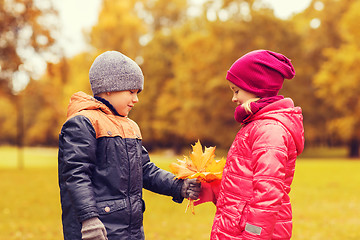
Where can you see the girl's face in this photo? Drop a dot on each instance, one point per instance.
(123, 101)
(240, 96)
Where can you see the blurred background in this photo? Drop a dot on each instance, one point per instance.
(184, 49)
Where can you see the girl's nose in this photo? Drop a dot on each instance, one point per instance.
(234, 99)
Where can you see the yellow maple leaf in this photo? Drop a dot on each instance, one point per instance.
(201, 165)
(201, 159)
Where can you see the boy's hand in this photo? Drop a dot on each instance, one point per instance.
(93, 229)
(191, 189)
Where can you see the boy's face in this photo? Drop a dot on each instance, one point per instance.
(123, 101)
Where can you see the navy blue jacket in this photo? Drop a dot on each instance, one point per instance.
(103, 168)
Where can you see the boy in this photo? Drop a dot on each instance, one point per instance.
(102, 164)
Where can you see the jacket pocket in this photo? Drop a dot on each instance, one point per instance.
(243, 211)
(110, 206)
(232, 220)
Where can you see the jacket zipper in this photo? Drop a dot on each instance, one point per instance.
(128, 189)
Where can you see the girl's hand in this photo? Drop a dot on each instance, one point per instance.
(209, 192)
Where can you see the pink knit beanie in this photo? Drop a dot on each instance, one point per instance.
(261, 72)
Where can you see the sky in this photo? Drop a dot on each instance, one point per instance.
(76, 16)
(79, 15)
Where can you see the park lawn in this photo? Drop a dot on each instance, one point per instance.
(325, 197)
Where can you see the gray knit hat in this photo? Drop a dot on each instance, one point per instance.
(113, 71)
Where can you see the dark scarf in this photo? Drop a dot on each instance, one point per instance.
(108, 104)
(242, 116)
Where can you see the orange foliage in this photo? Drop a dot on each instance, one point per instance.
(201, 165)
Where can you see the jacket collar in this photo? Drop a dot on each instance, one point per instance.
(81, 101)
(288, 115)
(109, 105)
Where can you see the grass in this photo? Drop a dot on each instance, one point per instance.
(325, 201)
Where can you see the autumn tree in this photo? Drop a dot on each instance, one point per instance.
(7, 121)
(185, 63)
(119, 28)
(47, 98)
(158, 49)
(27, 37)
(338, 82)
(196, 101)
(184, 58)
(318, 28)
(185, 49)
(27, 31)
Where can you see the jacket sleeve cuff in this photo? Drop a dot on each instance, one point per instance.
(177, 191)
(88, 213)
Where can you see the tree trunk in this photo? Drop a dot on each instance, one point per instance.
(354, 148)
(20, 130)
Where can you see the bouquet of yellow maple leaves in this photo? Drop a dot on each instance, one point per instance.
(201, 165)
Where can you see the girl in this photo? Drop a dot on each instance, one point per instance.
(253, 202)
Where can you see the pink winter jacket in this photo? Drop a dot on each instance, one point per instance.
(253, 201)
